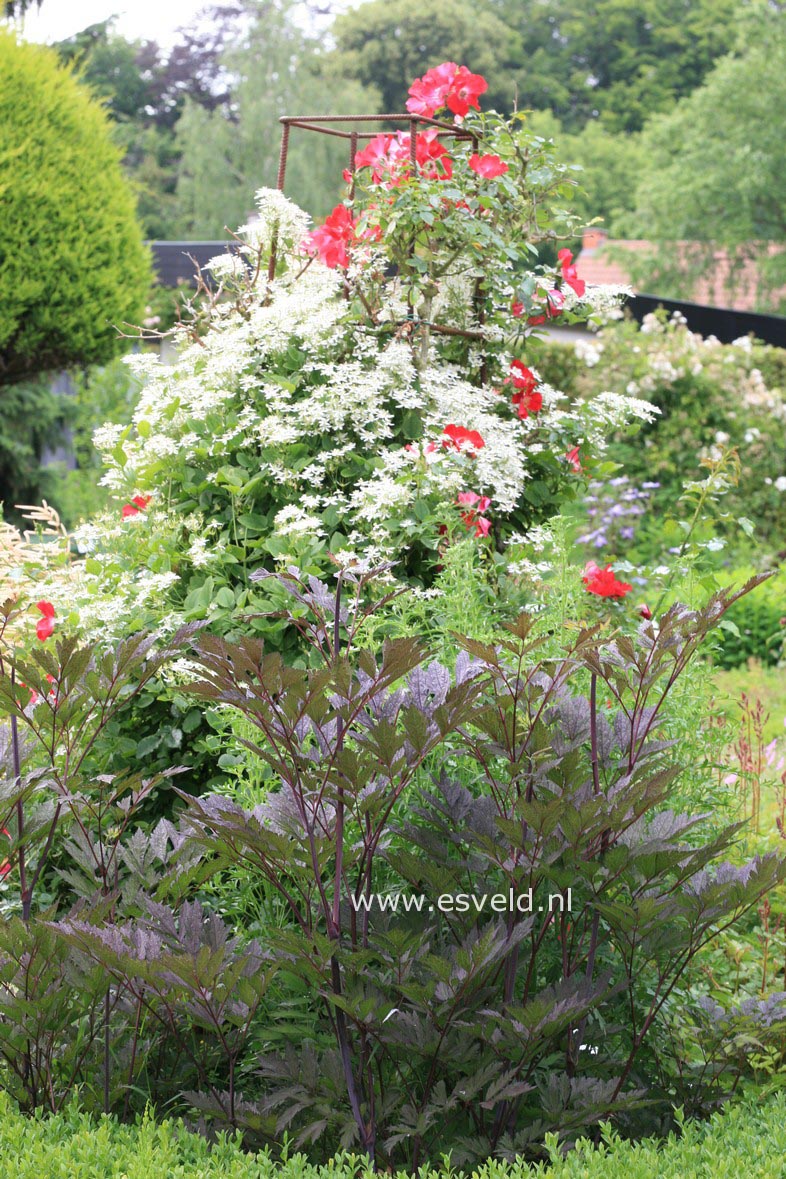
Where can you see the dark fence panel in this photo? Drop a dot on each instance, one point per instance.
(723, 323)
(176, 262)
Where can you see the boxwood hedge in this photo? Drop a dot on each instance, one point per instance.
(748, 1141)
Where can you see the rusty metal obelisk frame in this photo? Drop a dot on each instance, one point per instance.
(321, 124)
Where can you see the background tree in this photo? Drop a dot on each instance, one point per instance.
(619, 60)
(72, 262)
(17, 8)
(144, 88)
(724, 189)
(274, 67)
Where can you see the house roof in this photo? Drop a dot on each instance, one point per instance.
(721, 280)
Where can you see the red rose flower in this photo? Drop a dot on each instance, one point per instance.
(375, 155)
(523, 378)
(432, 156)
(329, 241)
(45, 625)
(570, 274)
(462, 438)
(138, 504)
(555, 301)
(428, 94)
(527, 403)
(487, 166)
(446, 85)
(475, 504)
(645, 612)
(465, 89)
(573, 458)
(526, 397)
(603, 582)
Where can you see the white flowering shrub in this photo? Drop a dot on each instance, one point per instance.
(371, 393)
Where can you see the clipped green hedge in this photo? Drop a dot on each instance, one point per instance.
(747, 1142)
(72, 261)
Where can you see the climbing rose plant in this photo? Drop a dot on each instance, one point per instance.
(364, 389)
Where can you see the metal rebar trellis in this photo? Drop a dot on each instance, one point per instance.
(321, 125)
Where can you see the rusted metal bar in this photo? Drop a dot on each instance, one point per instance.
(282, 171)
(316, 123)
(282, 158)
(319, 130)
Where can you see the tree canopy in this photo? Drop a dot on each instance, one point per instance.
(715, 166)
(619, 60)
(228, 153)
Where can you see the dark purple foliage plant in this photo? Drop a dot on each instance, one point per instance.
(480, 888)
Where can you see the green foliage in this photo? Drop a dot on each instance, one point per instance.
(757, 683)
(144, 88)
(758, 624)
(746, 1141)
(386, 774)
(608, 165)
(733, 194)
(101, 394)
(617, 61)
(425, 992)
(73, 1144)
(32, 417)
(72, 263)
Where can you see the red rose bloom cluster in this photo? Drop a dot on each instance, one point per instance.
(447, 85)
(603, 582)
(475, 504)
(329, 242)
(389, 157)
(526, 396)
(138, 504)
